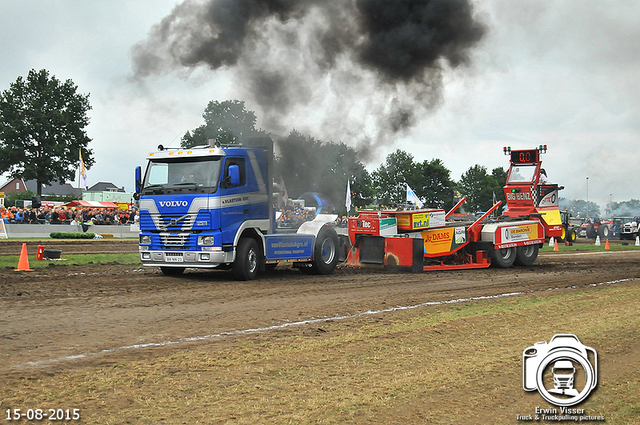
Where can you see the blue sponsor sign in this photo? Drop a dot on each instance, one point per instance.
(289, 247)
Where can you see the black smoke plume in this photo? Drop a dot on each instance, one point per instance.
(372, 66)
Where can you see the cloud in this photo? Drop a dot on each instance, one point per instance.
(288, 56)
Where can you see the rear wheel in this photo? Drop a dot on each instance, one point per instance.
(245, 267)
(591, 232)
(571, 235)
(503, 258)
(603, 231)
(563, 236)
(325, 251)
(172, 271)
(526, 255)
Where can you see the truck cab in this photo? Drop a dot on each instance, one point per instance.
(211, 206)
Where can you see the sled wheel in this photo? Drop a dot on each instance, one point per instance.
(526, 255)
(247, 259)
(503, 258)
(325, 251)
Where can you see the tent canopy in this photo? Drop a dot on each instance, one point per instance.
(91, 204)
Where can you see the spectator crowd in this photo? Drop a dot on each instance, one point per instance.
(64, 215)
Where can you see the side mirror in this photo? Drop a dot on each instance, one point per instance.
(234, 174)
(138, 179)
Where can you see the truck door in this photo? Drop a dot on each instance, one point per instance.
(234, 200)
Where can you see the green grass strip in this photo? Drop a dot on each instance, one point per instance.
(11, 261)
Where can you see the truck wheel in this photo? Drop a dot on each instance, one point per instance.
(591, 233)
(247, 260)
(325, 251)
(571, 235)
(503, 258)
(603, 231)
(526, 255)
(172, 271)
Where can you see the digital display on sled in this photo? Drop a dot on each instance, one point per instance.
(524, 157)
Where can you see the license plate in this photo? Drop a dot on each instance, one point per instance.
(174, 259)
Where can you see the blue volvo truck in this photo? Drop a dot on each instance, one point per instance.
(214, 206)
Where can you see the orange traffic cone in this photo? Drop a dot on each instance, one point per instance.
(23, 263)
(606, 245)
(555, 246)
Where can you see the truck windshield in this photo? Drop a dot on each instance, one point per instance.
(522, 174)
(182, 175)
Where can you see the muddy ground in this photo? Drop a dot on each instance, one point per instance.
(53, 314)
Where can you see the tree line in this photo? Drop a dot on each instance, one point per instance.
(307, 164)
(42, 133)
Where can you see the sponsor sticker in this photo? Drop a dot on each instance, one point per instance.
(525, 232)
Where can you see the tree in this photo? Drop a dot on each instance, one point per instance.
(310, 165)
(391, 178)
(436, 188)
(479, 186)
(500, 176)
(578, 208)
(430, 180)
(630, 208)
(42, 129)
(11, 198)
(228, 123)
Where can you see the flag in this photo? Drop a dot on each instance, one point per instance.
(412, 198)
(347, 202)
(495, 200)
(83, 171)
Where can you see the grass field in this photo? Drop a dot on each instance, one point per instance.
(11, 261)
(591, 247)
(449, 364)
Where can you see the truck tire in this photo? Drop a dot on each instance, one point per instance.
(526, 255)
(172, 271)
(325, 251)
(571, 235)
(503, 258)
(603, 231)
(247, 262)
(591, 232)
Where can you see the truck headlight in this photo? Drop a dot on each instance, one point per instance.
(205, 240)
(145, 240)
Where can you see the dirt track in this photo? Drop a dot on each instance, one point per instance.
(66, 310)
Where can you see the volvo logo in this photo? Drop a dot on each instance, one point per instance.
(173, 203)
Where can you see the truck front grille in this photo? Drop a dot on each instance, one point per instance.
(176, 241)
(174, 221)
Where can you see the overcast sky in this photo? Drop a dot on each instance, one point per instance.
(561, 73)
